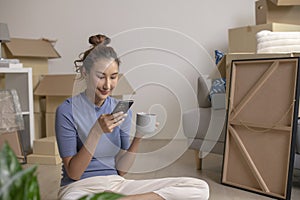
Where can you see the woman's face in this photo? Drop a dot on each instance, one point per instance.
(101, 80)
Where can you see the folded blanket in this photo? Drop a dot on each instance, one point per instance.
(278, 42)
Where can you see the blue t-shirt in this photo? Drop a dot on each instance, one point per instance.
(74, 120)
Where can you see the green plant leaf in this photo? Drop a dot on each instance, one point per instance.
(102, 196)
(9, 164)
(32, 190)
(16, 183)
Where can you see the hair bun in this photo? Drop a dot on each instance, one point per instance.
(99, 39)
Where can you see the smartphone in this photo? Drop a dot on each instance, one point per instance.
(123, 105)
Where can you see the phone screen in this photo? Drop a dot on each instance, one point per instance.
(123, 106)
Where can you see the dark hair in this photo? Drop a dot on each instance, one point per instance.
(98, 51)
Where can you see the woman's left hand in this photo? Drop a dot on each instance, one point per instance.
(141, 135)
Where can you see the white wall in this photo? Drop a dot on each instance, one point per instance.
(164, 44)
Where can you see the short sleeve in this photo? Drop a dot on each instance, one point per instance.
(65, 131)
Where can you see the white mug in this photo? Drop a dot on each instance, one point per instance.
(145, 123)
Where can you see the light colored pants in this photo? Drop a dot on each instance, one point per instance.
(168, 188)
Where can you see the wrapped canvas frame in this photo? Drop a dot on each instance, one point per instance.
(261, 126)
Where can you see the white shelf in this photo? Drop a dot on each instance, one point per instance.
(26, 113)
(21, 81)
(14, 70)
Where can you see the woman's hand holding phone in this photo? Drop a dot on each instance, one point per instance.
(109, 121)
(123, 105)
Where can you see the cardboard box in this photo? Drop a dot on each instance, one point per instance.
(50, 92)
(243, 39)
(32, 53)
(52, 102)
(70, 84)
(43, 159)
(45, 146)
(39, 125)
(267, 12)
(50, 124)
(56, 85)
(39, 104)
(2, 81)
(12, 138)
(286, 2)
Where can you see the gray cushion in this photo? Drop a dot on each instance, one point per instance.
(195, 122)
(217, 147)
(203, 93)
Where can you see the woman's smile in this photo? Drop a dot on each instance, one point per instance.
(104, 92)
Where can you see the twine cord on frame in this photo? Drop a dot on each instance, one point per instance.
(244, 123)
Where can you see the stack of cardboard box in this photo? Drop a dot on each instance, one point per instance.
(33, 53)
(45, 152)
(53, 90)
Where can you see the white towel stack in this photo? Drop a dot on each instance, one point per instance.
(278, 42)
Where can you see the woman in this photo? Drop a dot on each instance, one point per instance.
(94, 145)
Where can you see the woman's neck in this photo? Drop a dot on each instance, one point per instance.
(94, 99)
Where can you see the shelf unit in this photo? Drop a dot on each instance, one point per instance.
(21, 81)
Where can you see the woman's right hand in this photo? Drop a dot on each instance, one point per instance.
(108, 122)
